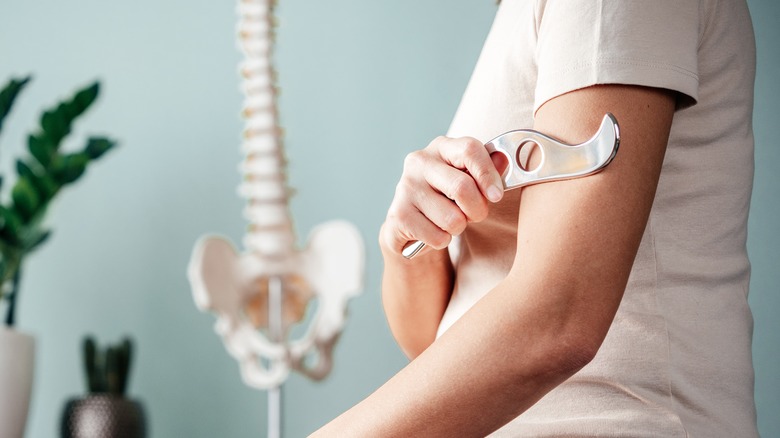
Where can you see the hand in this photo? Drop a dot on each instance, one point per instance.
(443, 188)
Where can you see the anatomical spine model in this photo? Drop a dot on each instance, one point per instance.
(241, 288)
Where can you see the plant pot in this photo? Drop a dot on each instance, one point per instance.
(17, 357)
(103, 416)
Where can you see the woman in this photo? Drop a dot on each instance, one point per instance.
(612, 305)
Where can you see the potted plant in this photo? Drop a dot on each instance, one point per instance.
(105, 412)
(40, 177)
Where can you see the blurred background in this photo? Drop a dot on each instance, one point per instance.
(363, 83)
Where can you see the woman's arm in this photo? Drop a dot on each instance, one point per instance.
(443, 187)
(576, 245)
(415, 294)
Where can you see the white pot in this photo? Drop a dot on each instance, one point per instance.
(17, 356)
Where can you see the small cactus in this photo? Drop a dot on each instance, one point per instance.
(107, 371)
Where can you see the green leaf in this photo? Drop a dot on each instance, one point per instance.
(10, 226)
(25, 198)
(36, 240)
(24, 170)
(48, 187)
(91, 366)
(125, 351)
(97, 146)
(55, 125)
(70, 167)
(56, 122)
(44, 185)
(41, 149)
(70, 109)
(84, 98)
(112, 370)
(8, 96)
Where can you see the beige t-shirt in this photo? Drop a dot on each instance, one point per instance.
(677, 359)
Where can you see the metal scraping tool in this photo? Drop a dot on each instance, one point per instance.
(559, 160)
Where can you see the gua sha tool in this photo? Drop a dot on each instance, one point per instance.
(258, 294)
(560, 161)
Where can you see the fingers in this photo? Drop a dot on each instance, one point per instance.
(420, 210)
(410, 225)
(457, 186)
(442, 212)
(469, 154)
(433, 185)
(443, 188)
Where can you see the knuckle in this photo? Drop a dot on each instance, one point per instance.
(400, 209)
(399, 214)
(483, 176)
(394, 214)
(412, 159)
(455, 223)
(472, 147)
(437, 141)
(401, 194)
(460, 188)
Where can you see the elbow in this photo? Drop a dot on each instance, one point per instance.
(562, 332)
(573, 354)
(564, 354)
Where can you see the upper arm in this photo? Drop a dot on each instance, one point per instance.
(577, 239)
(576, 243)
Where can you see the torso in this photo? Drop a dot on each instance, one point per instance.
(677, 359)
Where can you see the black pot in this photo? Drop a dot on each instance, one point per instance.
(103, 416)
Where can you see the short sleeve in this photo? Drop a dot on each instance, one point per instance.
(650, 43)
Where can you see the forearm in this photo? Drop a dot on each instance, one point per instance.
(489, 367)
(442, 189)
(415, 295)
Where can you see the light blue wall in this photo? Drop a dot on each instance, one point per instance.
(764, 226)
(363, 83)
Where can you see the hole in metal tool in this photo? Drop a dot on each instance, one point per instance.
(529, 156)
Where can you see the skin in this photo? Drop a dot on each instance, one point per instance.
(576, 245)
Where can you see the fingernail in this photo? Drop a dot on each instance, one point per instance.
(494, 193)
